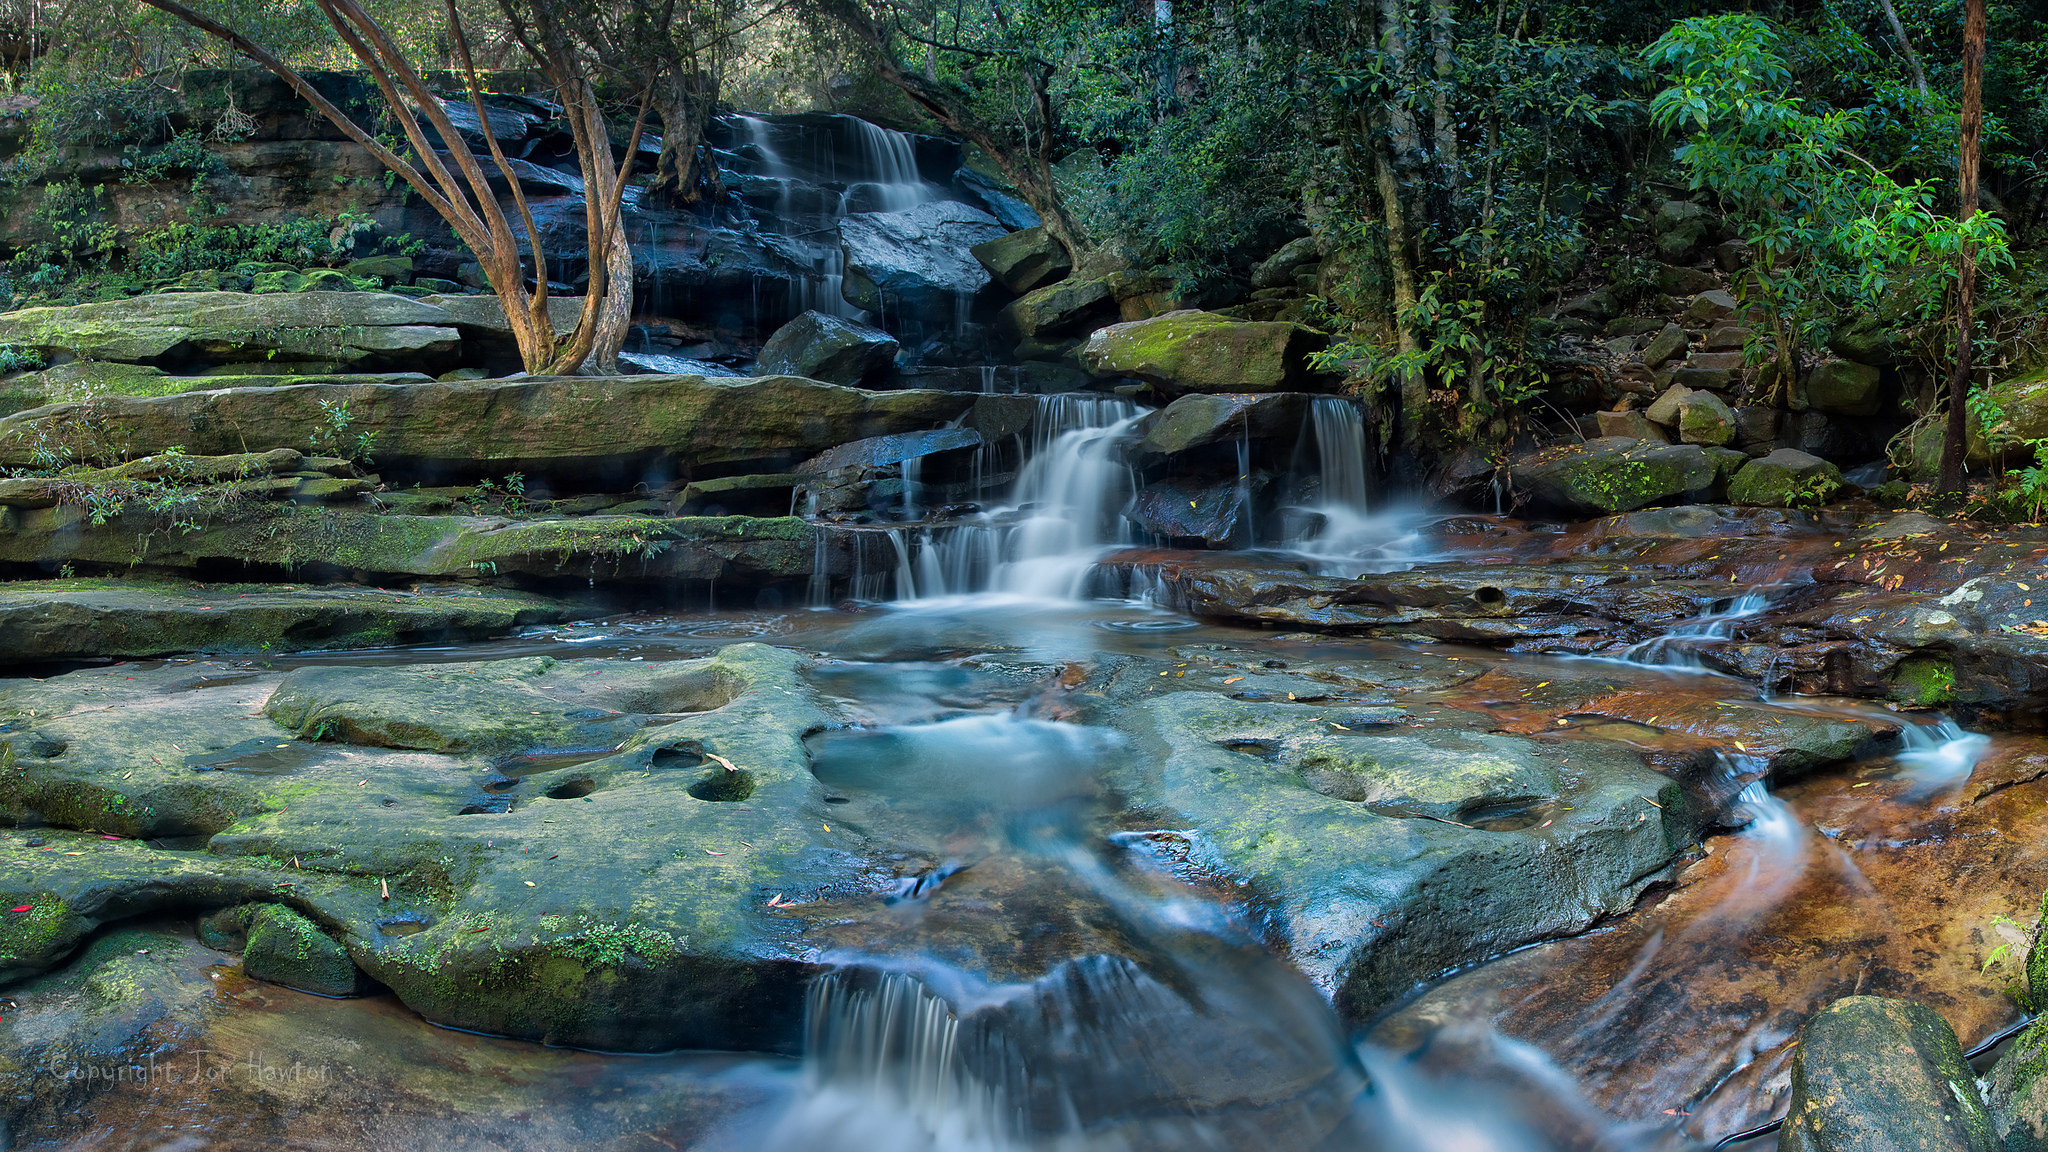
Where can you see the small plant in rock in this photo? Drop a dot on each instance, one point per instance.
(336, 434)
(1813, 492)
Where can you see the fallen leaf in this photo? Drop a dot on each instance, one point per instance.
(530, 884)
(1233, 679)
(709, 852)
(729, 765)
(26, 908)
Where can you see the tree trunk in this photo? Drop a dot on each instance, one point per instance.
(1891, 16)
(684, 98)
(1955, 442)
(1401, 261)
(1443, 127)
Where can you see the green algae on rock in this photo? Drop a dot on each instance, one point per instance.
(1876, 1073)
(1192, 351)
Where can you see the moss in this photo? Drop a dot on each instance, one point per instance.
(1925, 681)
(33, 937)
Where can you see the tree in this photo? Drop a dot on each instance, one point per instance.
(1955, 439)
(462, 196)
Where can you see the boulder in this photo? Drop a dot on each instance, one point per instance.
(1873, 1073)
(1198, 420)
(1844, 388)
(1669, 344)
(916, 261)
(582, 424)
(1864, 339)
(1609, 475)
(1631, 425)
(1664, 410)
(1024, 260)
(1680, 227)
(1070, 307)
(1203, 352)
(1756, 429)
(1704, 418)
(1280, 269)
(1710, 306)
(880, 451)
(821, 347)
(391, 269)
(368, 329)
(285, 948)
(1191, 512)
(1683, 280)
(1784, 478)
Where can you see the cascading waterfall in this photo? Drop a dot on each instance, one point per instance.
(1679, 648)
(1340, 449)
(1940, 754)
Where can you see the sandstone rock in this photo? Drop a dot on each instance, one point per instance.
(1070, 307)
(581, 423)
(1199, 420)
(1876, 1073)
(1631, 425)
(1598, 306)
(1756, 429)
(1704, 418)
(917, 261)
(1204, 352)
(1280, 269)
(1680, 227)
(1632, 326)
(1190, 512)
(817, 346)
(1731, 255)
(1727, 338)
(1710, 306)
(357, 328)
(1844, 388)
(1024, 260)
(1864, 339)
(1669, 345)
(285, 280)
(391, 269)
(1665, 409)
(880, 451)
(1783, 478)
(1605, 476)
(329, 280)
(284, 947)
(1681, 280)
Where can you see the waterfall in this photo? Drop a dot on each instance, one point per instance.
(1067, 507)
(1939, 754)
(1679, 647)
(1340, 448)
(889, 171)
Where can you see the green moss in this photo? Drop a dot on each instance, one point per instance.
(29, 937)
(1926, 681)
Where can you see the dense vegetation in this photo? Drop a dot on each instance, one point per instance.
(1463, 166)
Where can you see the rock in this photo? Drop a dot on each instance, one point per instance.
(1199, 420)
(1727, 338)
(1068, 308)
(1864, 339)
(1631, 425)
(767, 495)
(1602, 477)
(2018, 1096)
(1731, 255)
(390, 269)
(1756, 429)
(1844, 388)
(1785, 478)
(48, 620)
(821, 347)
(1680, 280)
(1597, 306)
(592, 426)
(917, 261)
(880, 451)
(1024, 260)
(999, 199)
(368, 329)
(1203, 352)
(1664, 410)
(1191, 513)
(1632, 326)
(1680, 228)
(284, 947)
(1710, 306)
(487, 337)
(1280, 269)
(329, 280)
(278, 281)
(1874, 1073)
(1669, 345)
(1672, 214)
(1704, 418)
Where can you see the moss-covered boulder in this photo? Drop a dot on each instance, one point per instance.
(1024, 260)
(1845, 388)
(1198, 421)
(821, 347)
(1070, 307)
(285, 948)
(370, 329)
(1876, 1073)
(1202, 352)
(1609, 475)
(581, 424)
(1705, 419)
(1786, 478)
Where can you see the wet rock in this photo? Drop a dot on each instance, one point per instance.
(1630, 425)
(1199, 420)
(1203, 352)
(1024, 260)
(1670, 344)
(176, 468)
(1280, 269)
(591, 425)
(487, 336)
(369, 329)
(1844, 388)
(610, 906)
(2017, 1096)
(1071, 307)
(1190, 511)
(1783, 479)
(284, 947)
(1609, 475)
(75, 619)
(884, 450)
(821, 347)
(915, 262)
(1876, 1073)
(753, 495)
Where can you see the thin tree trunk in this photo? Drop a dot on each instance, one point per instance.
(1443, 126)
(1401, 261)
(683, 98)
(1891, 16)
(1955, 443)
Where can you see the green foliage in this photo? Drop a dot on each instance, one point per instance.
(336, 434)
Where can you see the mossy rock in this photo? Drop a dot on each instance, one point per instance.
(1203, 352)
(1787, 478)
(1613, 474)
(1926, 681)
(1876, 1073)
(285, 948)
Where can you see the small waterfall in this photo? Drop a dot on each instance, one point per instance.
(889, 161)
(988, 379)
(1679, 648)
(1340, 449)
(1940, 754)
